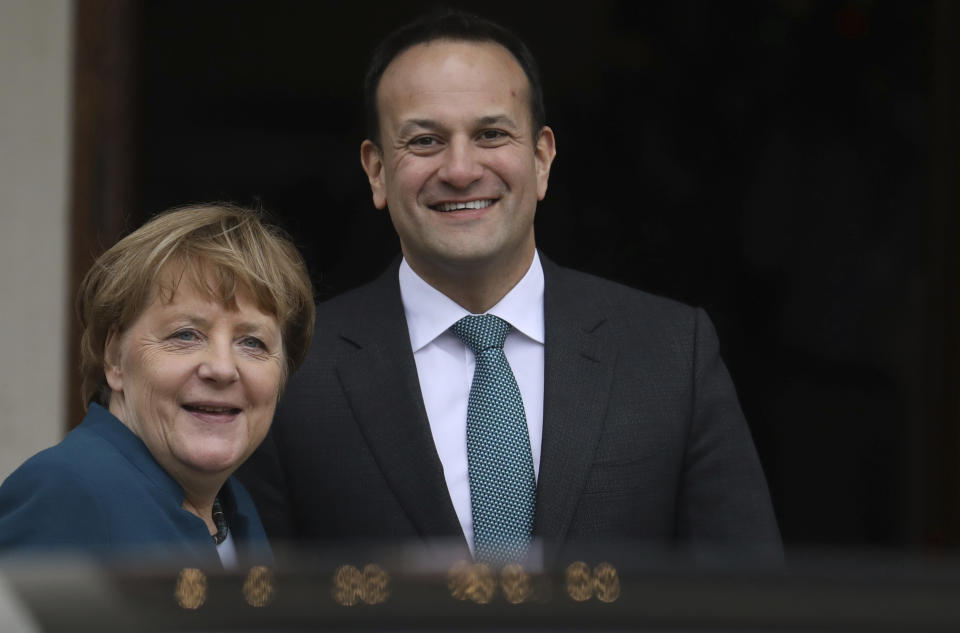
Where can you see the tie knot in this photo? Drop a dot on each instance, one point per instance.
(481, 332)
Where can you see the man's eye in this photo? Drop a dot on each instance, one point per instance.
(492, 135)
(424, 141)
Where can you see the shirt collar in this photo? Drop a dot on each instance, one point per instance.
(430, 313)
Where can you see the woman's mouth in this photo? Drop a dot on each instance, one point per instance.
(212, 413)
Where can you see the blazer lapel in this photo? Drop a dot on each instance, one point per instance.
(578, 370)
(380, 382)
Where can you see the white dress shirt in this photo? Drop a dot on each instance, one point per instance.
(445, 369)
(227, 551)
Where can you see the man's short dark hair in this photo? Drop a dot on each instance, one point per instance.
(448, 25)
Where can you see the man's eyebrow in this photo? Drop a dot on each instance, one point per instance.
(417, 124)
(499, 119)
(411, 125)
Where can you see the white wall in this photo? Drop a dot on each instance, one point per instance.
(35, 63)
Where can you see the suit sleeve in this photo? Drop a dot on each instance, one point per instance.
(45, 506)
(724, 496)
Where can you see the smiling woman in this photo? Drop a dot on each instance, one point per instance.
(191, 325)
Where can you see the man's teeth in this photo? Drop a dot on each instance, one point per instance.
(457, 206)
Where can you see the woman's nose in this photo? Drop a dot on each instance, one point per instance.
(219, 364)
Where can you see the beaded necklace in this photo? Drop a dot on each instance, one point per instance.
(220, 521)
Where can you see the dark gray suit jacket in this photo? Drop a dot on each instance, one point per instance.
(643, 438)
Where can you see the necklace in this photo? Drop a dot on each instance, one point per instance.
(220, 521)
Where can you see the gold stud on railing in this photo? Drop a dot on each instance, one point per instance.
(516, 584)
(603, 582)
(579, 581)
(607, 582)
(259, 587)
(376, 584)
(191, 588)
(471, 581)
(350, 585)
(347, 585)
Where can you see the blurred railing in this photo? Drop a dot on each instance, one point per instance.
(419, 588)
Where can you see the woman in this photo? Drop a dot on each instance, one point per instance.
(191, 324)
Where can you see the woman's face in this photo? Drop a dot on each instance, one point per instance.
(196, 381)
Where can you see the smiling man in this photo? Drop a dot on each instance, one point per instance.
(478, 392)
(460, 164)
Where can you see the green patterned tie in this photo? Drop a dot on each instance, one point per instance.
(502, 484)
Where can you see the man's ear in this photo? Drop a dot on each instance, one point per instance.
(111, 361)
(372, 160)
(543, 153)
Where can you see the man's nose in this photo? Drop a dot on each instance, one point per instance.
(461, 165)
(219, 364)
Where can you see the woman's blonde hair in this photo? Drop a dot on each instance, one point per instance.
(222, 249)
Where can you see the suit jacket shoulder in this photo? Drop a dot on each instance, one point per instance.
(642, 426)
(589, 297)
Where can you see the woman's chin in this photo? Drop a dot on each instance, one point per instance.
(213, 461)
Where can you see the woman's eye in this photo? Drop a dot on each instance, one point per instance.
(252, 342)
(186, 336)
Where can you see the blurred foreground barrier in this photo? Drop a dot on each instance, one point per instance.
(618, 589)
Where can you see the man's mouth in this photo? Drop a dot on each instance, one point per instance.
(460, 206)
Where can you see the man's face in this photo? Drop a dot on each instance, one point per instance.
(460, 168)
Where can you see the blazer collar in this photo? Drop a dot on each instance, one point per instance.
(379, 378)
(106, 425)
(100, 421)
(579, 358)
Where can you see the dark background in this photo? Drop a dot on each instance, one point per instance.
(780, 163)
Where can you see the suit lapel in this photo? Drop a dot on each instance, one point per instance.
(380, 382)
(578, 370)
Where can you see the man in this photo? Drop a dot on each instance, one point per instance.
(627, 421)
